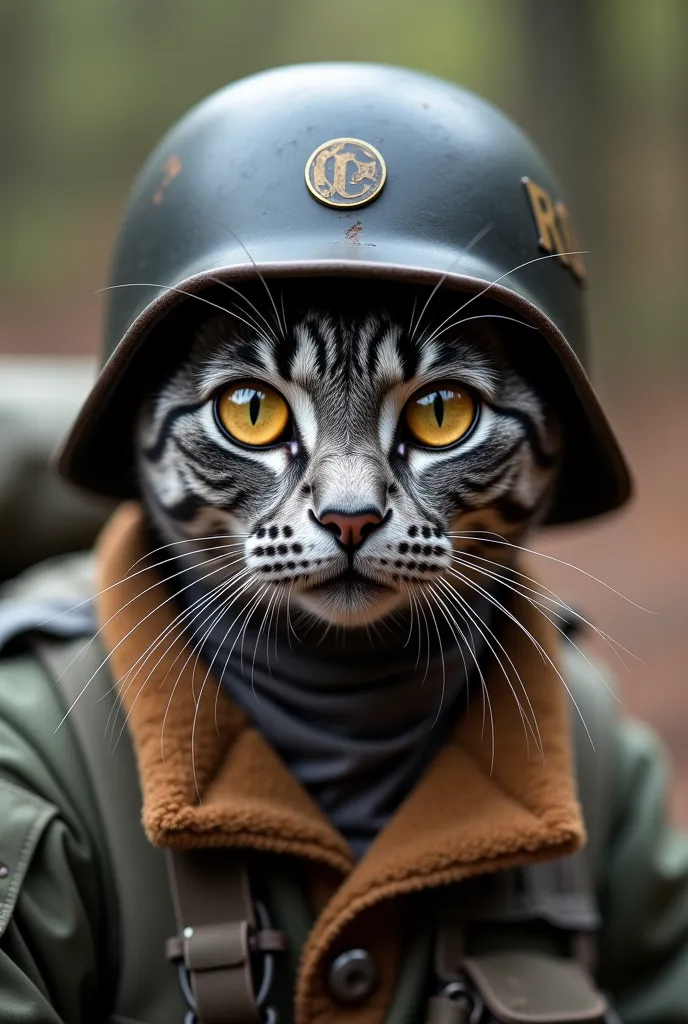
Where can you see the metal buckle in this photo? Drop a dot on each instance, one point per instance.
(462, 989)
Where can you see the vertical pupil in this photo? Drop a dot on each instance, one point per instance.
(438, 406)
(254, 407)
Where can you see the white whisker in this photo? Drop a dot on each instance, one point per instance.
(473, 617)
(484, 688)
(538, 646)
(487, 537)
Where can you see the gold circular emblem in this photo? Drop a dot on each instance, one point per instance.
(345, 172)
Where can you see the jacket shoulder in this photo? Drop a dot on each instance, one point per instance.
(57, 917)
(38, 750)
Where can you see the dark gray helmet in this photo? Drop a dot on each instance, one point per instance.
(347, 171)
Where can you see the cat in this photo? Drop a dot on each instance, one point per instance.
(390, 454)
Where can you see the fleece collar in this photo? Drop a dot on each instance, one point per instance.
(209, 779)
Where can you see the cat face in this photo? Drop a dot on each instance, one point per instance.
(344, 456)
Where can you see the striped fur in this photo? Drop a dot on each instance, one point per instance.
(346, 381)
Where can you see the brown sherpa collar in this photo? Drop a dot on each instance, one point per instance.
(217, 783)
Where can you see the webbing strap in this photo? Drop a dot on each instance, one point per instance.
(557, 891)
(215, 920)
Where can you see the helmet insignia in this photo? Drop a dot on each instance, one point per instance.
(555, 232)
(345, 172)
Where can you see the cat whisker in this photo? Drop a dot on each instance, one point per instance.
(123, 685)
(409, 329)
(472, 616)
(482, 316)
(282, 326)
(199, 642)
(198, 705)
(547, 613)
(486, 702)
(243, 587)
(128, 576)
(427, 638)
(190, 540)
(122, 640)
(252, 604)
(538, 646)
(411, 608)
(459, 636)
(284, 315)
(488, 287)
(414, 600)
(256, 598)
(477, 237)
(479, 624)
(290, 628)
(177, 291)
(444, 670)
(547, 596)
(192, 613)
(488, 537)
(256, 310)
(265, 590)
(271, 600)
(240, 580)
(219, 688)
(181, 615)
(453, 626)
(274, 615)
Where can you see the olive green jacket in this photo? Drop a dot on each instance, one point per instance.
(60, 922)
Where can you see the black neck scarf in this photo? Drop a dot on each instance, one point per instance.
(357, 715)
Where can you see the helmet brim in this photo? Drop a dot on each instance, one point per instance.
(98, 457)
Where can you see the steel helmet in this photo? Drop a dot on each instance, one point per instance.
(346, 171)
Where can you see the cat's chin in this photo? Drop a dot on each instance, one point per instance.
(349, 600)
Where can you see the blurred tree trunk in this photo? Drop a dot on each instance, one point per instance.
(569, 113)
(565, 108)
(606, 95)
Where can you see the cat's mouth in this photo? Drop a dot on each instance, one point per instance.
(349, 578)
(349, 598)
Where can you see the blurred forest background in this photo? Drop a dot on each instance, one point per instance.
(602, 86)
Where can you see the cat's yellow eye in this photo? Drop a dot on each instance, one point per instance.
(253, 413)
(440, 414)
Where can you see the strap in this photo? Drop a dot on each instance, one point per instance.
(556, 891)
(217, 935)
(518, 987)
(531, 988)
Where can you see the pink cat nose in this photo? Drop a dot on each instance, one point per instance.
(350, 530)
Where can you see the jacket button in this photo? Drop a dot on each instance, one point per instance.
(352, 977)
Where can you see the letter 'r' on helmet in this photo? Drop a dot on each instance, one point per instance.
(283, 166)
